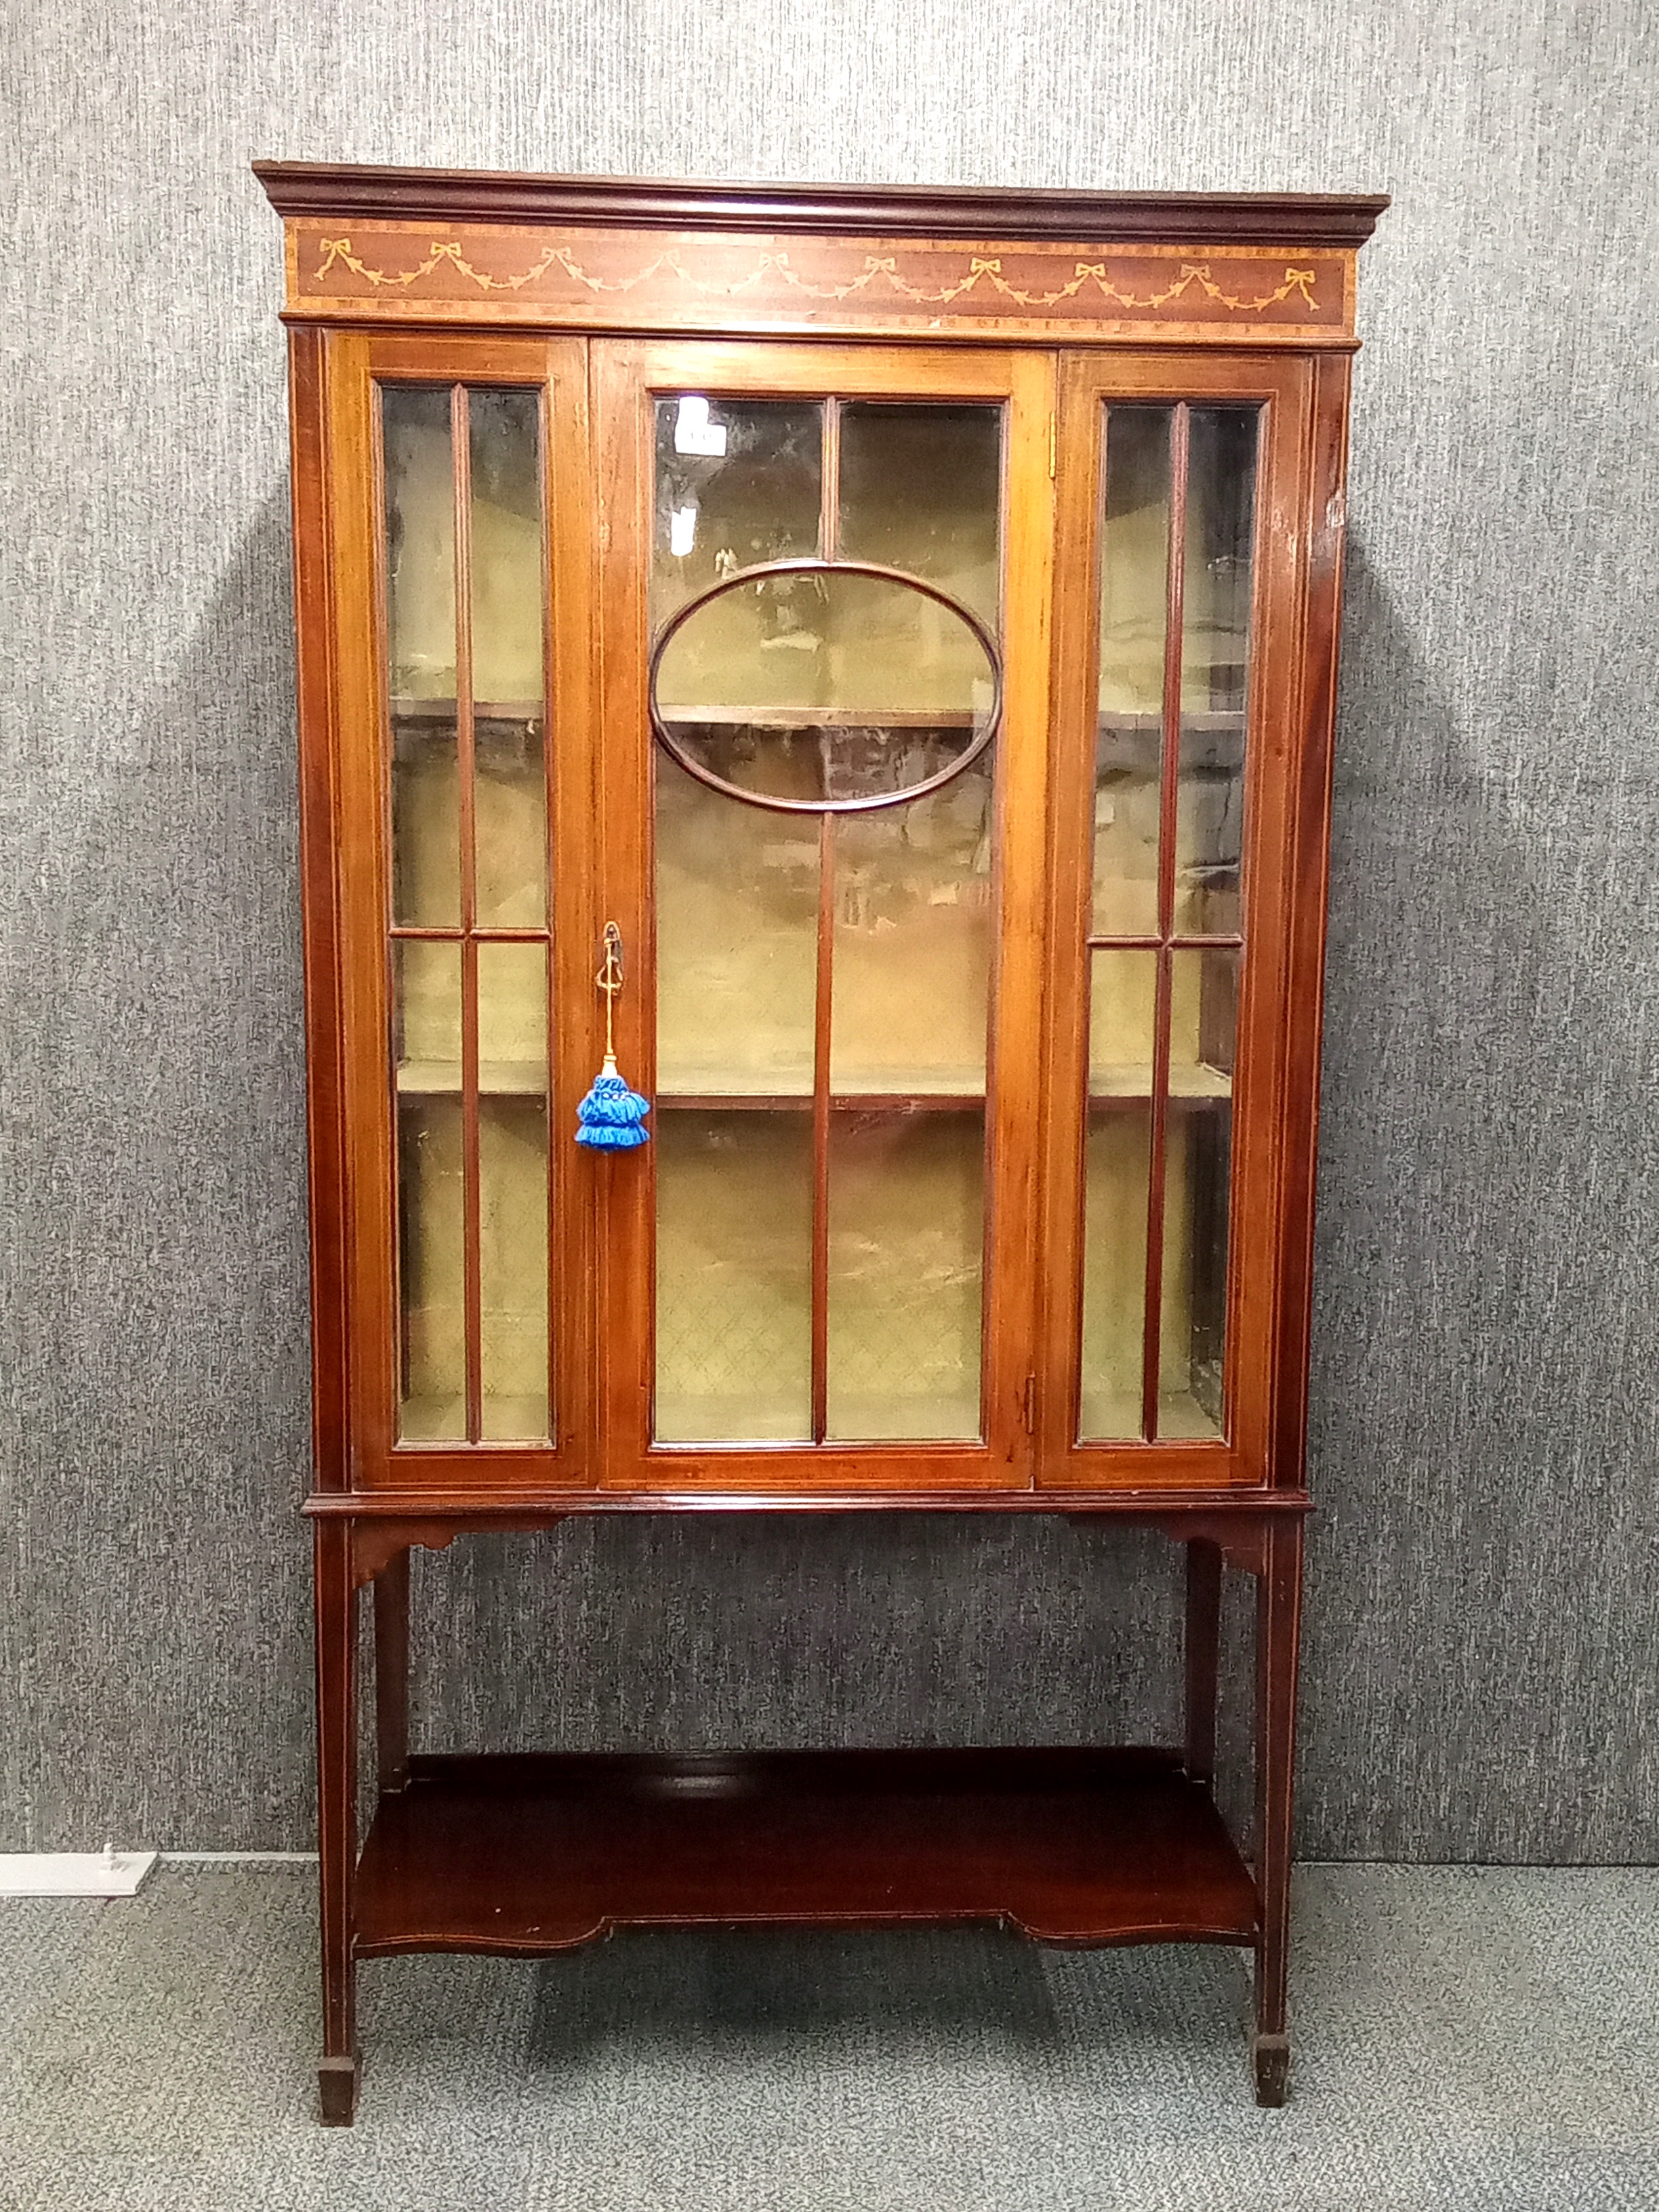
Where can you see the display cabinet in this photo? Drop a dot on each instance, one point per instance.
(867, 658)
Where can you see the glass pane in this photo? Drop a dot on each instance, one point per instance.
(921, 489)
(1215, 664)
(1197, 1182)
(420, 533)
(427, 1015)
(1117, 1170)
(912, 964)
(907, 1234)
(734, 1276)
(509, 805)
(1122, 1008)
(426, 819)
(508, 590)
(738, 483)
(1203, 1023)
(509, 599)
(419, 611)
(829, 685)
(1134, 563)
(431, 1208)
(431, 1270)
(512, 1264)
(512, 1018)
(737, 943)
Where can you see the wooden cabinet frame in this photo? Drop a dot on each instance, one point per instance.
(598, 294)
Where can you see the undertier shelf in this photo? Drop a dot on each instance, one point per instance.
(527, 1854)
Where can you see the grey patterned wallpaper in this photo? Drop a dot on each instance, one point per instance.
(1482, 1636)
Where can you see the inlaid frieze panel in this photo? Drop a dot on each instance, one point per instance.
(633, 279)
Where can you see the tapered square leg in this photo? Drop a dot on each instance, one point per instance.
(337, 1813)
(1277, 1634)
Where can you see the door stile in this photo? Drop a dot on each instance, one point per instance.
(623, 1181)
(1019, 980)
(626, 376)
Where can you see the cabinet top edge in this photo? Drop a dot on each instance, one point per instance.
(356, 191)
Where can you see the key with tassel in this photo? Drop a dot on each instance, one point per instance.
(611, 1118)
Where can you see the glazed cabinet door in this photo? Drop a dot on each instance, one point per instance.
(460, 506)
(1181, 585)
(824, 616)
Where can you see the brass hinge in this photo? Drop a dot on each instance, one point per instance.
(1028, 1408)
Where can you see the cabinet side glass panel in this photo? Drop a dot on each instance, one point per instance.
(465, 624)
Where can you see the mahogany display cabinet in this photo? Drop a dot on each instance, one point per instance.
(868, 658)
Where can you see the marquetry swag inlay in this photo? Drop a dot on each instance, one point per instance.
(520, 273)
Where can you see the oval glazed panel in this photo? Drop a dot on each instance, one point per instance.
(816, 686)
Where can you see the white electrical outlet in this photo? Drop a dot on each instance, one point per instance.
(108, 1873)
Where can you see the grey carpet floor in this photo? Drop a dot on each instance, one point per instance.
(1486, 2040)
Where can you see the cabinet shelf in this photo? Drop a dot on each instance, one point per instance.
(925, 1090)
(851, 1101)
(438, 1079)
(524, 1854)
(822, 718)
(940, 1089)
(1131, 1083)
(1195, 718)
(483, 710)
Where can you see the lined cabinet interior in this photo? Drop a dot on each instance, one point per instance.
(824, 605)
(1165, 918)
(805, 815)
(465, 606)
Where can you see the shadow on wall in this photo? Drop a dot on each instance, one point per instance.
(714, 1633)
(1485, 1328)
(1477, 1565)
(155, 1099)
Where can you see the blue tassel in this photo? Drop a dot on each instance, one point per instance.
(611, 1117)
